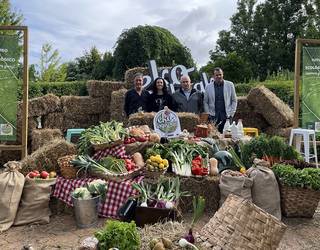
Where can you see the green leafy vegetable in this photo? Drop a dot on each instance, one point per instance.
(198, 209)
(121, 235)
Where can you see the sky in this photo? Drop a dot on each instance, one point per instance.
(75, 26)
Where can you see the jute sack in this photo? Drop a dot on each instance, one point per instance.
(265, 189)
(11, 186)
(34, 205)
(233, 182)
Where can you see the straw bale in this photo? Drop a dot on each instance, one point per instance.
(208, 187)
(44, 105)
(45, 158)
(84, 105)
(129, 75)
(243, 105)
(103, 88)
(141, 118)
(32, 124)
(9, 155)
(170, 230)
(274, 110)
(40, 137)
(284, 132)
(117, 104)
(252, 120)
(54, 120)
(188, 121)
(104, 117)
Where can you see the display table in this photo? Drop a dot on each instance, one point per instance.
(117, 193)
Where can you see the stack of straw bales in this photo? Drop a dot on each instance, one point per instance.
(40, 137)
(117, 104)
(130, 73)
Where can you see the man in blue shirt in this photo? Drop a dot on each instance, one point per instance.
(136, 98)
(220, 99)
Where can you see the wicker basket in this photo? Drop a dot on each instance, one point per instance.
(67, 170)
(239, 224)
(117, 177)
(153, 174)
(102, 146)
(298, 202)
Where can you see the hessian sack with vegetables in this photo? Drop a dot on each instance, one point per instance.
(265, 190)
(234, 182)
(11, 186)
(34, 204)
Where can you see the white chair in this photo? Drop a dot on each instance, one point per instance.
(305, 133)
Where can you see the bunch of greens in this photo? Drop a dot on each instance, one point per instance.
(305, 178)
(106, 132)
(92, 189)
(121, 235)
(107, 165)
(273, 148)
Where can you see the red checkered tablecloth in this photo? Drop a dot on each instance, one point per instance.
(116, 151)
(117, 193)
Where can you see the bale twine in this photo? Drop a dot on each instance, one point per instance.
(274, 110)
(103, 88)
(44, 105)
(84, 105)
(239, 224)
(117, 104)
(45, 158)
(40, 137)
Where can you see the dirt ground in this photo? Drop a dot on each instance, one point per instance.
(62, 233)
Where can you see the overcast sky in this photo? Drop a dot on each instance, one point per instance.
(73, 26)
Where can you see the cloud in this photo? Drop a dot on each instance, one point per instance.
(74, 26)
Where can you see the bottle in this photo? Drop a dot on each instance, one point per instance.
(234, 131)
(240, 129)
(226, 128)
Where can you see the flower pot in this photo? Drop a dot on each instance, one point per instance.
(86, 211)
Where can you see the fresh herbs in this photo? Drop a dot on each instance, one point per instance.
(121, 235)
(305, 178)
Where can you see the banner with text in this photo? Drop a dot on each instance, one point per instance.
(10, 53)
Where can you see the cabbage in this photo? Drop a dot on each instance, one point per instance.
(81, 193)
(97, 187)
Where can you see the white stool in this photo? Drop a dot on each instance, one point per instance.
(305, 133)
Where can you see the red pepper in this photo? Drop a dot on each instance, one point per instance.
(204, 171)
(196, 170)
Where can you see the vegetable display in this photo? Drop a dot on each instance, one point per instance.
(92, 189)
(156, 163)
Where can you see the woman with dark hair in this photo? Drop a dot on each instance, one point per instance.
(159, 97)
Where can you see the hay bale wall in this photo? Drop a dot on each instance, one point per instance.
(274, 110)
(40, 137)
(44, 105)
(284, 132)
(103, 88)
(129, 75)
(117, 104)
(82, 105)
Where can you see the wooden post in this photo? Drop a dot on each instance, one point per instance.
(297, 63)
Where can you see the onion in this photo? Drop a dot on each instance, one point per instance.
(169, 204)
(144, 204)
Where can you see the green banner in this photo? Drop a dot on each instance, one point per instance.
(10, 52)
(310, 95)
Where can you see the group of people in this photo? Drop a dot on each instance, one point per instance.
(219, 99)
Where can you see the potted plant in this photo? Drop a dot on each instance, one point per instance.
(299, 190)
(86, 200)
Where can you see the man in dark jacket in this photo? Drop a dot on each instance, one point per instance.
(187, 99)
(136, 98)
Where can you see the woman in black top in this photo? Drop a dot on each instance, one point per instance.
(159, 97)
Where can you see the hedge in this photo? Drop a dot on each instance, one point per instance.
(37, 89)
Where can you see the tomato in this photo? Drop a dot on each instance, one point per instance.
(31, 175)
(133, 140)
(44, 175)
(36, 171)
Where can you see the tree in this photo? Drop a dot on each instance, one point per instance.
(264, 34)
(7, 17)
(50, 69)
(137, 45)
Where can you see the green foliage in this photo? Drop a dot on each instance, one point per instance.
(263, 145)
(305, 178)
(8, 17)
(37, 89)
(121, 235)
(264, 33)
(137, 45)
(235, 68)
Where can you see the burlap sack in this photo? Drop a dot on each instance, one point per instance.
(34, 205)
(265, 189)
(11, 186)
(233, 182)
